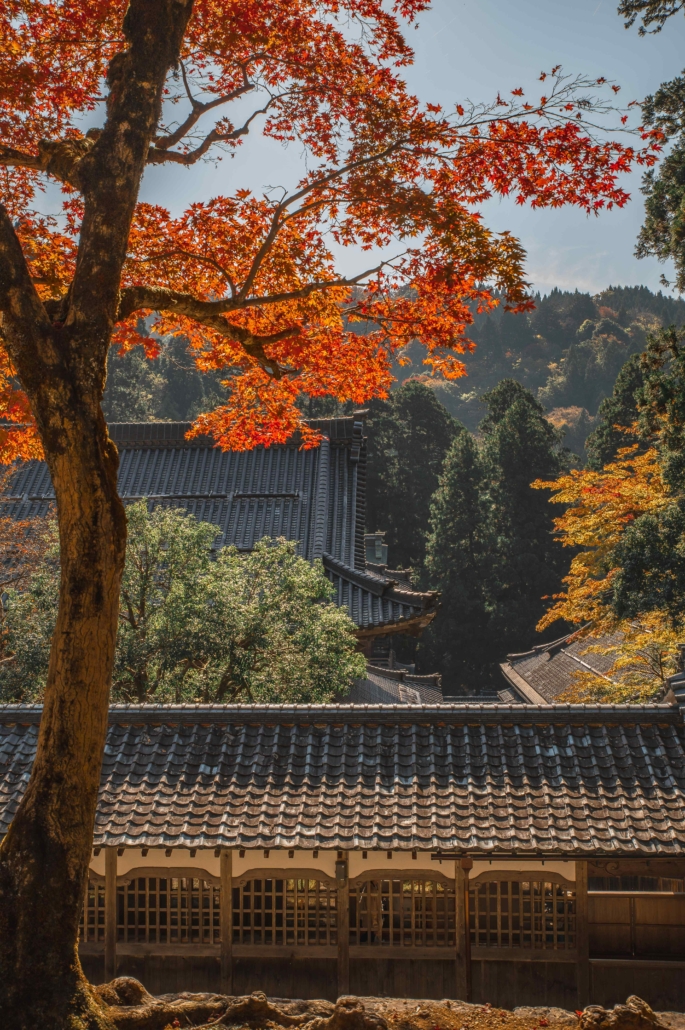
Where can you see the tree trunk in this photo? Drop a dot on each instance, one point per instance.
(45, 856)
(59, 352)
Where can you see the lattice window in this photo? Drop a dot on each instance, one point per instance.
(527, 914)
(168, 910)
(283, 911)
(417, 913)
(92, 924)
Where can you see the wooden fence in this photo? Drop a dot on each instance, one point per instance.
(509, 938)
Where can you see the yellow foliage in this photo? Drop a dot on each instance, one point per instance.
(600, 508)
(643, 655)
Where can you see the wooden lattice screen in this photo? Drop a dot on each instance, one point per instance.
(527, 914)
(285, 911)
(417, 913)
(168, 910)
(92, 924)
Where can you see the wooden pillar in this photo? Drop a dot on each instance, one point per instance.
(226, 920)
(110, 913)
(342, 878)
(582, 935)
(462, 935)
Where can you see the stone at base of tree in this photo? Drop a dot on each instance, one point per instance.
(634, 1015)
(124, 990)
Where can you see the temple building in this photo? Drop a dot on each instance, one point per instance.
(314, 496)
(518, 855)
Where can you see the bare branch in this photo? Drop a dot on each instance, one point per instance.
(198, 110)
(157, 156)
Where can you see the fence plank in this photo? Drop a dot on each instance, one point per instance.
(582, 936)
(226, 920)
(110, 913)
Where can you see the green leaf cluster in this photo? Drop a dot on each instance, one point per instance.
(198, 623)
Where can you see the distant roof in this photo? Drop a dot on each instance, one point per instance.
(395, 686)
(539, 676)
(315, 496)
(523, 780)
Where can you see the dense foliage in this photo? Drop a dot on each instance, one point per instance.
(196, 625)
(408, 437)
(628, 520)
(567, 352)
(491, 550)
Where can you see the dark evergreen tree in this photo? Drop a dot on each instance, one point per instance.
(167, 388)
(409, 436)
(459, 562)
(491, 549)
(133, 387)
(519, 446)
(663, 232)
(616, 415)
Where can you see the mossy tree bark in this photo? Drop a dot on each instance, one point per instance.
(59, 350)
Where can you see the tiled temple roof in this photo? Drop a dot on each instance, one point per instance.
(315, 496)
(395, 686)
(540, 675)
(566, 780)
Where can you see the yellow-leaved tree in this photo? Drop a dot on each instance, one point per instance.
(601, 506)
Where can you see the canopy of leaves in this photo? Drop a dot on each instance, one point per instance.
(650, 12)
(663, 232)
(198, 625)
(628, 520)
(250, 278)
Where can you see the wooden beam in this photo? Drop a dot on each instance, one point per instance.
(462, 935)
(110, 913)
(343, 881)
(226, 920)
(582, 936)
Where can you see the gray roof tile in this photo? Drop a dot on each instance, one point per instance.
(486, 779)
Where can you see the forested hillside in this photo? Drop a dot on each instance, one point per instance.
(568, 353)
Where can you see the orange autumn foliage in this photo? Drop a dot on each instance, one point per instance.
(252, 279)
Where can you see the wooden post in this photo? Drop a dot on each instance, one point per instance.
(463, 934)
(226, 920)
(342, 878)
(582, 936)
(110, 913)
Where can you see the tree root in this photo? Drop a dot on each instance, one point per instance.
(634, 1015)
(129, 1006)
(348, 1014)
(256, 1010)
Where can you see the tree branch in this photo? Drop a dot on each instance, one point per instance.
(27, 330)
(198, 110)
(157, 155)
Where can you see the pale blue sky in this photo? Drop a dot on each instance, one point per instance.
(473, 49)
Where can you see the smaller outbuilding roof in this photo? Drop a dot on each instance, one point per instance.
(395, 686)
(541, 675)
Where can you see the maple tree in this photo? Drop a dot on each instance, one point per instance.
(626, 584)
(250, 279)
(602, 505)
